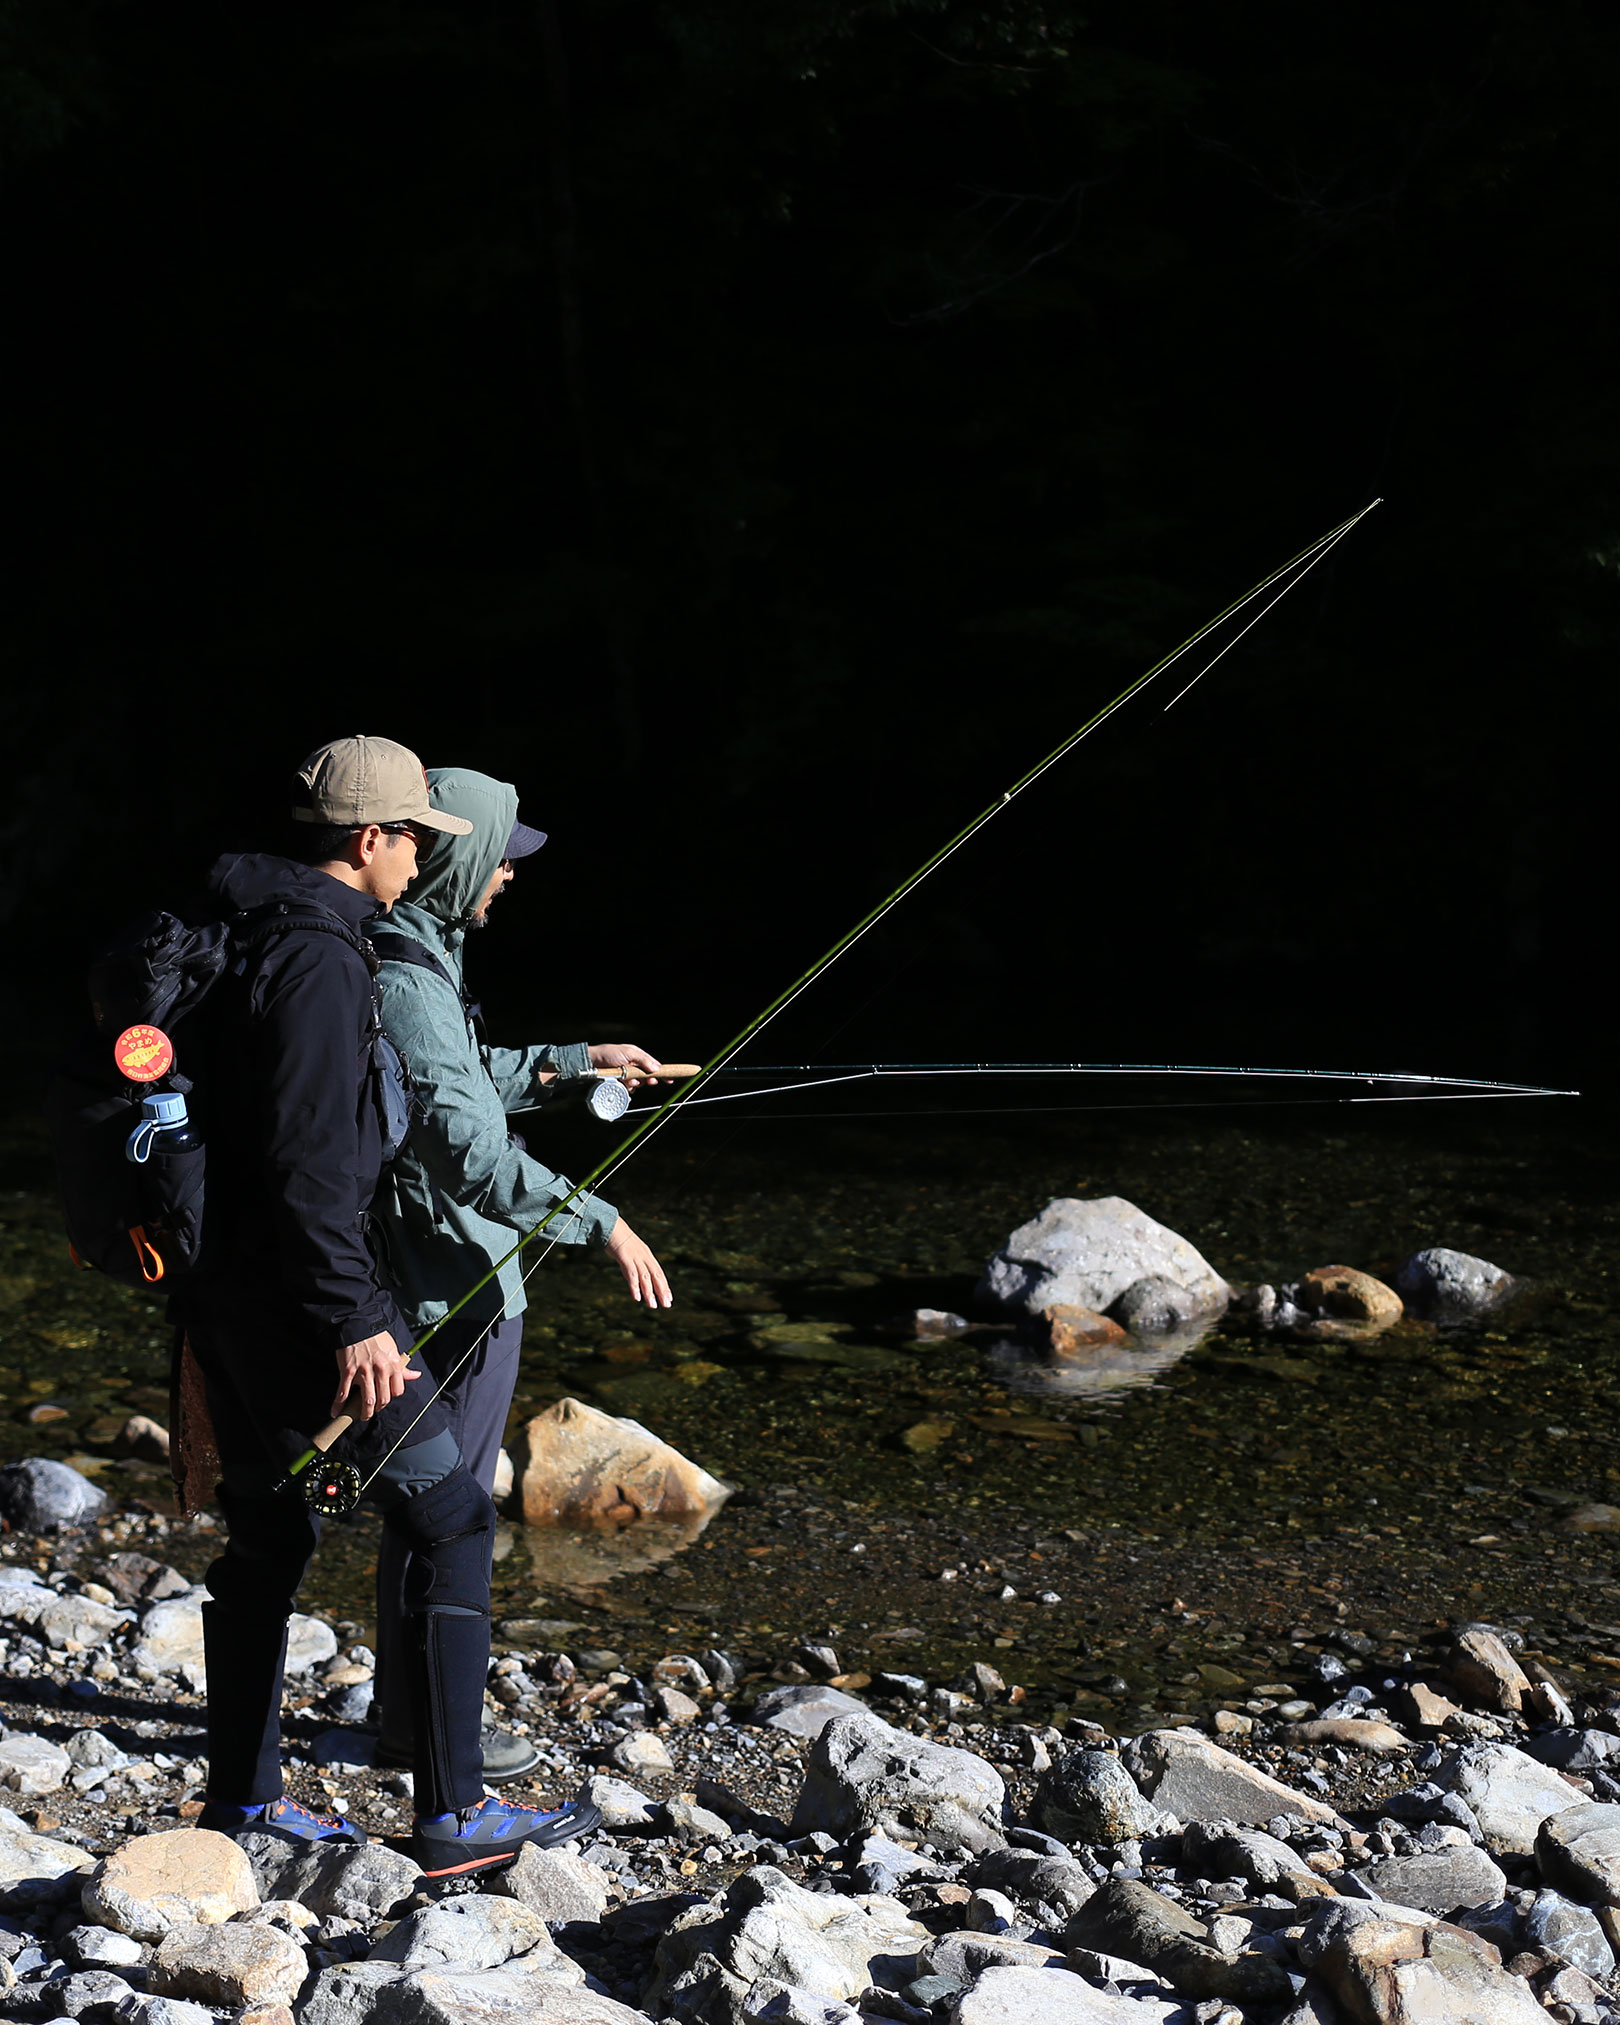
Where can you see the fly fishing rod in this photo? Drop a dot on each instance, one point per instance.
(336, 1487)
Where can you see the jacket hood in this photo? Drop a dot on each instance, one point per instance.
(457, 869)
(247, 879)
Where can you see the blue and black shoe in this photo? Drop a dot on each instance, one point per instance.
(492, 1833)
(283, 1818)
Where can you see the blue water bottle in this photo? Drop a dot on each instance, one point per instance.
(165, 1127)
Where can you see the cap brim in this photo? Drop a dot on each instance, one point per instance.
(523, 842)
(436, 819)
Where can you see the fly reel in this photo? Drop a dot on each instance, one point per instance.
(332, 1489)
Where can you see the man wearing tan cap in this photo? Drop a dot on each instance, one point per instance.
(290, 1325)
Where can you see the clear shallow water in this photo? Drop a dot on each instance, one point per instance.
(1220, 1511)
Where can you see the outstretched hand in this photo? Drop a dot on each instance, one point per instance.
(643, 1275)
(374, 1371)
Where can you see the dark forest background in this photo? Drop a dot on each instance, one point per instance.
(760, 428)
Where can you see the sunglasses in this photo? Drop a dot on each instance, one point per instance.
(421, 837)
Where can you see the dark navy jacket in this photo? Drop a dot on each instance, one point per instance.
(291, 1117)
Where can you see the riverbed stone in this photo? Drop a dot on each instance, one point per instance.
(476, 1932)
(641, 1752)
(620, 1804)
(1578, 1751)
(1579, 1851)
(1350, 1733)
(1436, 1880)
(1510, 1794)
(1482, 1667)
(965, 1956)
(805, 1711)
(1009, 1996)
(1570, 1932)
(1071, 1331)
(1157, 1306)
(556, 1886)
(229, 1964)
(1187, 1775)
(1346, 1294)
(26, 1856)
(1088, 1796)
(1223, 1849)
(74, 1620)
(340, 1881)
(382, 1993)
(1130, 1918)
(176, 1877)
(1441, 1285)
(38, 1495)
(1035, 1878)
(764, 1925)
(1391, 1972)
(91, 1994)
(863, 1775)
(1086, 1253)
(32, 1764)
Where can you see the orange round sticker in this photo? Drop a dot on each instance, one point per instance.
(143, 1053)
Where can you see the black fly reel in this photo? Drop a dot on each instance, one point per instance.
(331, 1488)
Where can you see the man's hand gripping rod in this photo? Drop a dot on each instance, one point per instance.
(338, 1487)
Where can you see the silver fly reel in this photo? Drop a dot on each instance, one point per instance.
(609, 1100)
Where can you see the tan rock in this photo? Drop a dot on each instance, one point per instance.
(142, 1437)
(1070, 1329)
(180, 1877)
(1429, 1709)
(924, 1436)
(1188, 1775)
(1347, 1295)
(1389, 1972)
(1486, 1671)
(236, 1964)
(1351, 1732)
(575, 1463)
(1593, 1519)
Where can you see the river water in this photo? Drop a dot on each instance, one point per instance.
(1203, 1522)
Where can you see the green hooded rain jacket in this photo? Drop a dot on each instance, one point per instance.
(462, 1191)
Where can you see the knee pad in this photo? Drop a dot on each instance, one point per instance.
(268, 1549)
(447, 1528)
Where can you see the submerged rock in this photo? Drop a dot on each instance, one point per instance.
(1441, 1285)
(1345, 1294)
(1088, 1253)
(574, 1463)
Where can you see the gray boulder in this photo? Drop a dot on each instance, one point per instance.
(345, 1883)
(1222, 1849)
(772, 2003)
(1035, 1879)
(381, 1993)
(863, 1775)
(1156, 1306)
(1392, 1971)
(621, 1805)
(38, 1496)
(1436, 1880)
(1194, 1779)
(557, 1887)
(764, 1926)
(1088, 1253)
(1510, 1794)
(1439, 1285)
(1130, 1918)
(1579, 1852)
(1569, 1933)
(475, 1933)
(805, 1711)
(1088, 1796)
(1008, 1996)
(1577, 1751)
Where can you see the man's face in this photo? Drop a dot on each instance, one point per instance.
(392, 866)
(500, 879)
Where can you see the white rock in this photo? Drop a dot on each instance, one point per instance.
(764, 1926)
(1087, 1253)
(863, 1775)
(77, 1621)
(505, 1477)
(476, 1933)
(1511, 1794)
(181, 1877)
(772, 2003)
(622, 1805)
(33, 1764)
(310, 1642)
(25, 1855)
(1054, 1997)
(23, 1596)
(555, 1885)
(641, 1751)
(380, 1993)
(170, 1644)
(1579, 1851)
(805, 1711)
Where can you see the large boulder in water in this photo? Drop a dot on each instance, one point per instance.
(1441, 1285)
(576, 1464)
(1106, 1255)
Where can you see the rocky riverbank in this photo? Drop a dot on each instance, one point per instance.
(1383, 1834)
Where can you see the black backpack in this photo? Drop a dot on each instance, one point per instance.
(141, 1222)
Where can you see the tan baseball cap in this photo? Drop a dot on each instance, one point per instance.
(355, 781)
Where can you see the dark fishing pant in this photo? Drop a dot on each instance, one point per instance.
(267, 1393)
(476, 1405)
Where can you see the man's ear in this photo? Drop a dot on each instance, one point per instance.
(366, 843)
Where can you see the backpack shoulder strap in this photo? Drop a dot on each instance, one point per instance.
(394, 947)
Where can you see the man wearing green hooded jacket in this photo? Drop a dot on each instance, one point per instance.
(464, 1188)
